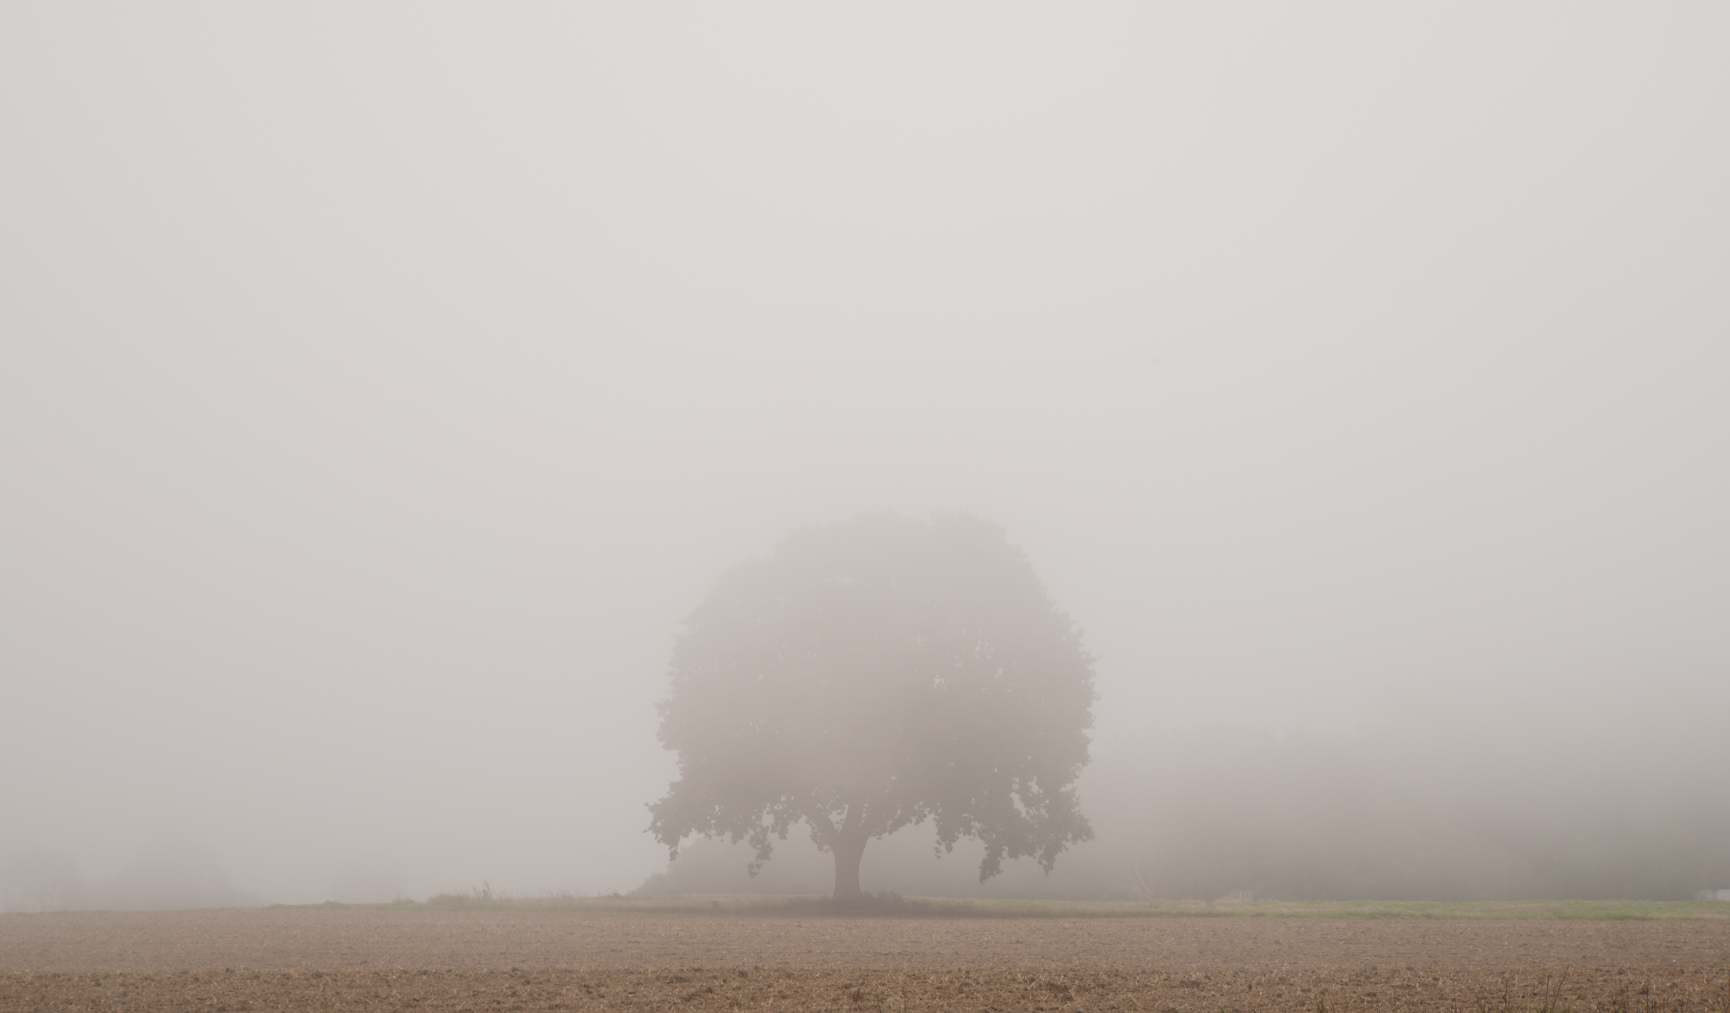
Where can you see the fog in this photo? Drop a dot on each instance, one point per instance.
(380, 386)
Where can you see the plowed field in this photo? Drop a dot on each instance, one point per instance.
(475, 960)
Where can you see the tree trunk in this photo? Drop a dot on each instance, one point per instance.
(848, 851)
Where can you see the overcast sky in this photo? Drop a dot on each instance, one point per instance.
(381, 385)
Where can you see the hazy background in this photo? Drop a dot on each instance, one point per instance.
(381, 385)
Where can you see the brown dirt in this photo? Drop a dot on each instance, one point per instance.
(439, 960)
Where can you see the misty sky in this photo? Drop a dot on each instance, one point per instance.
(381, 385)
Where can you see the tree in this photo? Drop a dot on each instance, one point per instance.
(873, 674)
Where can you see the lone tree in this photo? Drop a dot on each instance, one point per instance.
(872, 674)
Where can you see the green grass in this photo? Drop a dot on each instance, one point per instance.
(948, 907)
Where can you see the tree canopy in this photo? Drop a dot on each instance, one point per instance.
(872, 674)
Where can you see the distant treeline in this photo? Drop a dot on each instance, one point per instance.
(37, 880)
(1519, 814)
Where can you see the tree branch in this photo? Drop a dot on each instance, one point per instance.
(822, 827)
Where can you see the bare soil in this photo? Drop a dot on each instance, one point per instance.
(451, 960)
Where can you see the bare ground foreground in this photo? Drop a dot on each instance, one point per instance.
(521, 960)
